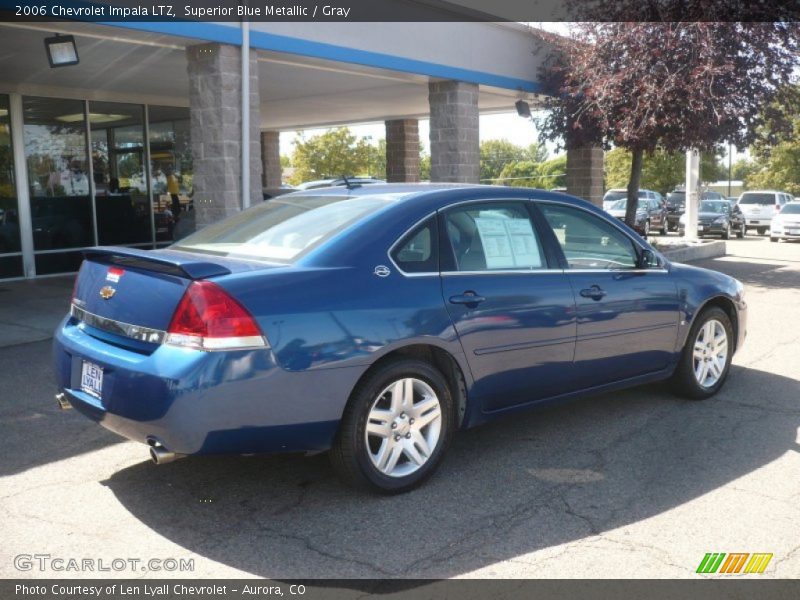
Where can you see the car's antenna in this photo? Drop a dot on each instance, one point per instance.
(348, 184)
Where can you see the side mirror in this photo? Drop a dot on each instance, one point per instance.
(648, 260)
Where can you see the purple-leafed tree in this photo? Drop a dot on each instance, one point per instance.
(673, 85)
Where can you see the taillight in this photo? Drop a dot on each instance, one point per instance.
(208, 318)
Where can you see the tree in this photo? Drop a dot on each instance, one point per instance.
(670, 85)
(496, 155)
(335, 153)
(777, 166)
(528, 173)
(661, 171)
(742, 169)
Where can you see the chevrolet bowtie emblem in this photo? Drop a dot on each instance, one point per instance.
(106, 292)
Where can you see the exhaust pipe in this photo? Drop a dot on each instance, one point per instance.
(63, 403)
(161, 456)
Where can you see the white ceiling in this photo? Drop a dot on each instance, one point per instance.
(296, 92)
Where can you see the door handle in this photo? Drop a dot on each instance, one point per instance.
(595, 292)
(469, 298)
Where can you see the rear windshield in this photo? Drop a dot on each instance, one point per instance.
(623, 204)
(791, 209)
(610, 196)
(714, 206)
(282, 229)
(753, 198)
(676, 198)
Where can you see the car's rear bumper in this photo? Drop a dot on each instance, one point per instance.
(194, 402)
(758, 222)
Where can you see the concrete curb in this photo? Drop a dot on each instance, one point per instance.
(711, 249)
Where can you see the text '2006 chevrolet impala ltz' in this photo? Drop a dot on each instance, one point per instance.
(375, 322)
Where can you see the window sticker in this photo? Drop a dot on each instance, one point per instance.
(508, 243)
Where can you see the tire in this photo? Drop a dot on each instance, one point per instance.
(773, 239)
(664, 228)
(741, 233)
(357, 455)
(761, 230)
(686, 381)
(727, 233)
(646, 229)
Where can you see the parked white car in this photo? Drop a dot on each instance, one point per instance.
(759, 206)
(786, 224)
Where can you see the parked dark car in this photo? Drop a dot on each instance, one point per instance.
(717, 218)
(676, 204)
(651, 215)
(375, 322)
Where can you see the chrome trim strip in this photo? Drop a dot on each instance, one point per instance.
(135, 332)
(507, 272)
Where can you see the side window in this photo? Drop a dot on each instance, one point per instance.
(588, 241)
(417, 251)
(493, 236)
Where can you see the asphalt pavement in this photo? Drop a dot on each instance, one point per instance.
(630, 484)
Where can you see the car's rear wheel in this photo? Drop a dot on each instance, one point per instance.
(773, 239)
(706, 357)
(742, 230)
(761, 230)
(664, 228)
(396, 427)
(646, 230)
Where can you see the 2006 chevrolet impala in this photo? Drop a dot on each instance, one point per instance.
(375, 322)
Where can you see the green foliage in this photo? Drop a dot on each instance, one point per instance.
(780, 170)
(529, 173)
(286, 161)
(742, 169)
(496, 155)
(336, 153)
(424, 166)
(661, 171)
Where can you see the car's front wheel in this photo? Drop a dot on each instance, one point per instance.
(741, 233)
(706, 357)
(396, 427)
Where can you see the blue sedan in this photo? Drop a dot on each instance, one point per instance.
(375, 322)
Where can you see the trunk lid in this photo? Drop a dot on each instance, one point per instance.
(143, 287)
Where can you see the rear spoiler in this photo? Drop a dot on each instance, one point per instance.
(170, 263)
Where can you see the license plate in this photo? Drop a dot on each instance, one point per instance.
(755, 222)
(92, 379)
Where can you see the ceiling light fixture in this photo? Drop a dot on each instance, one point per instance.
(61, 51)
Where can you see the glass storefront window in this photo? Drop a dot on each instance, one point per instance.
(55, 153)
(172, 170)
(10, 266)
(120, 182)
(88, 181)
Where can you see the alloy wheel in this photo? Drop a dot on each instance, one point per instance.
(710, 353)
(403, 427)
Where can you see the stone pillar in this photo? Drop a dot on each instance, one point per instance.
(402, 151)
(271, 159)
(585, 173)
(455, 147)
(215, 92)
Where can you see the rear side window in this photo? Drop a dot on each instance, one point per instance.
(756, 198)
(493, 236)
(417, 251)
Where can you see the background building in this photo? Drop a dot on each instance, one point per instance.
(93, 153)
